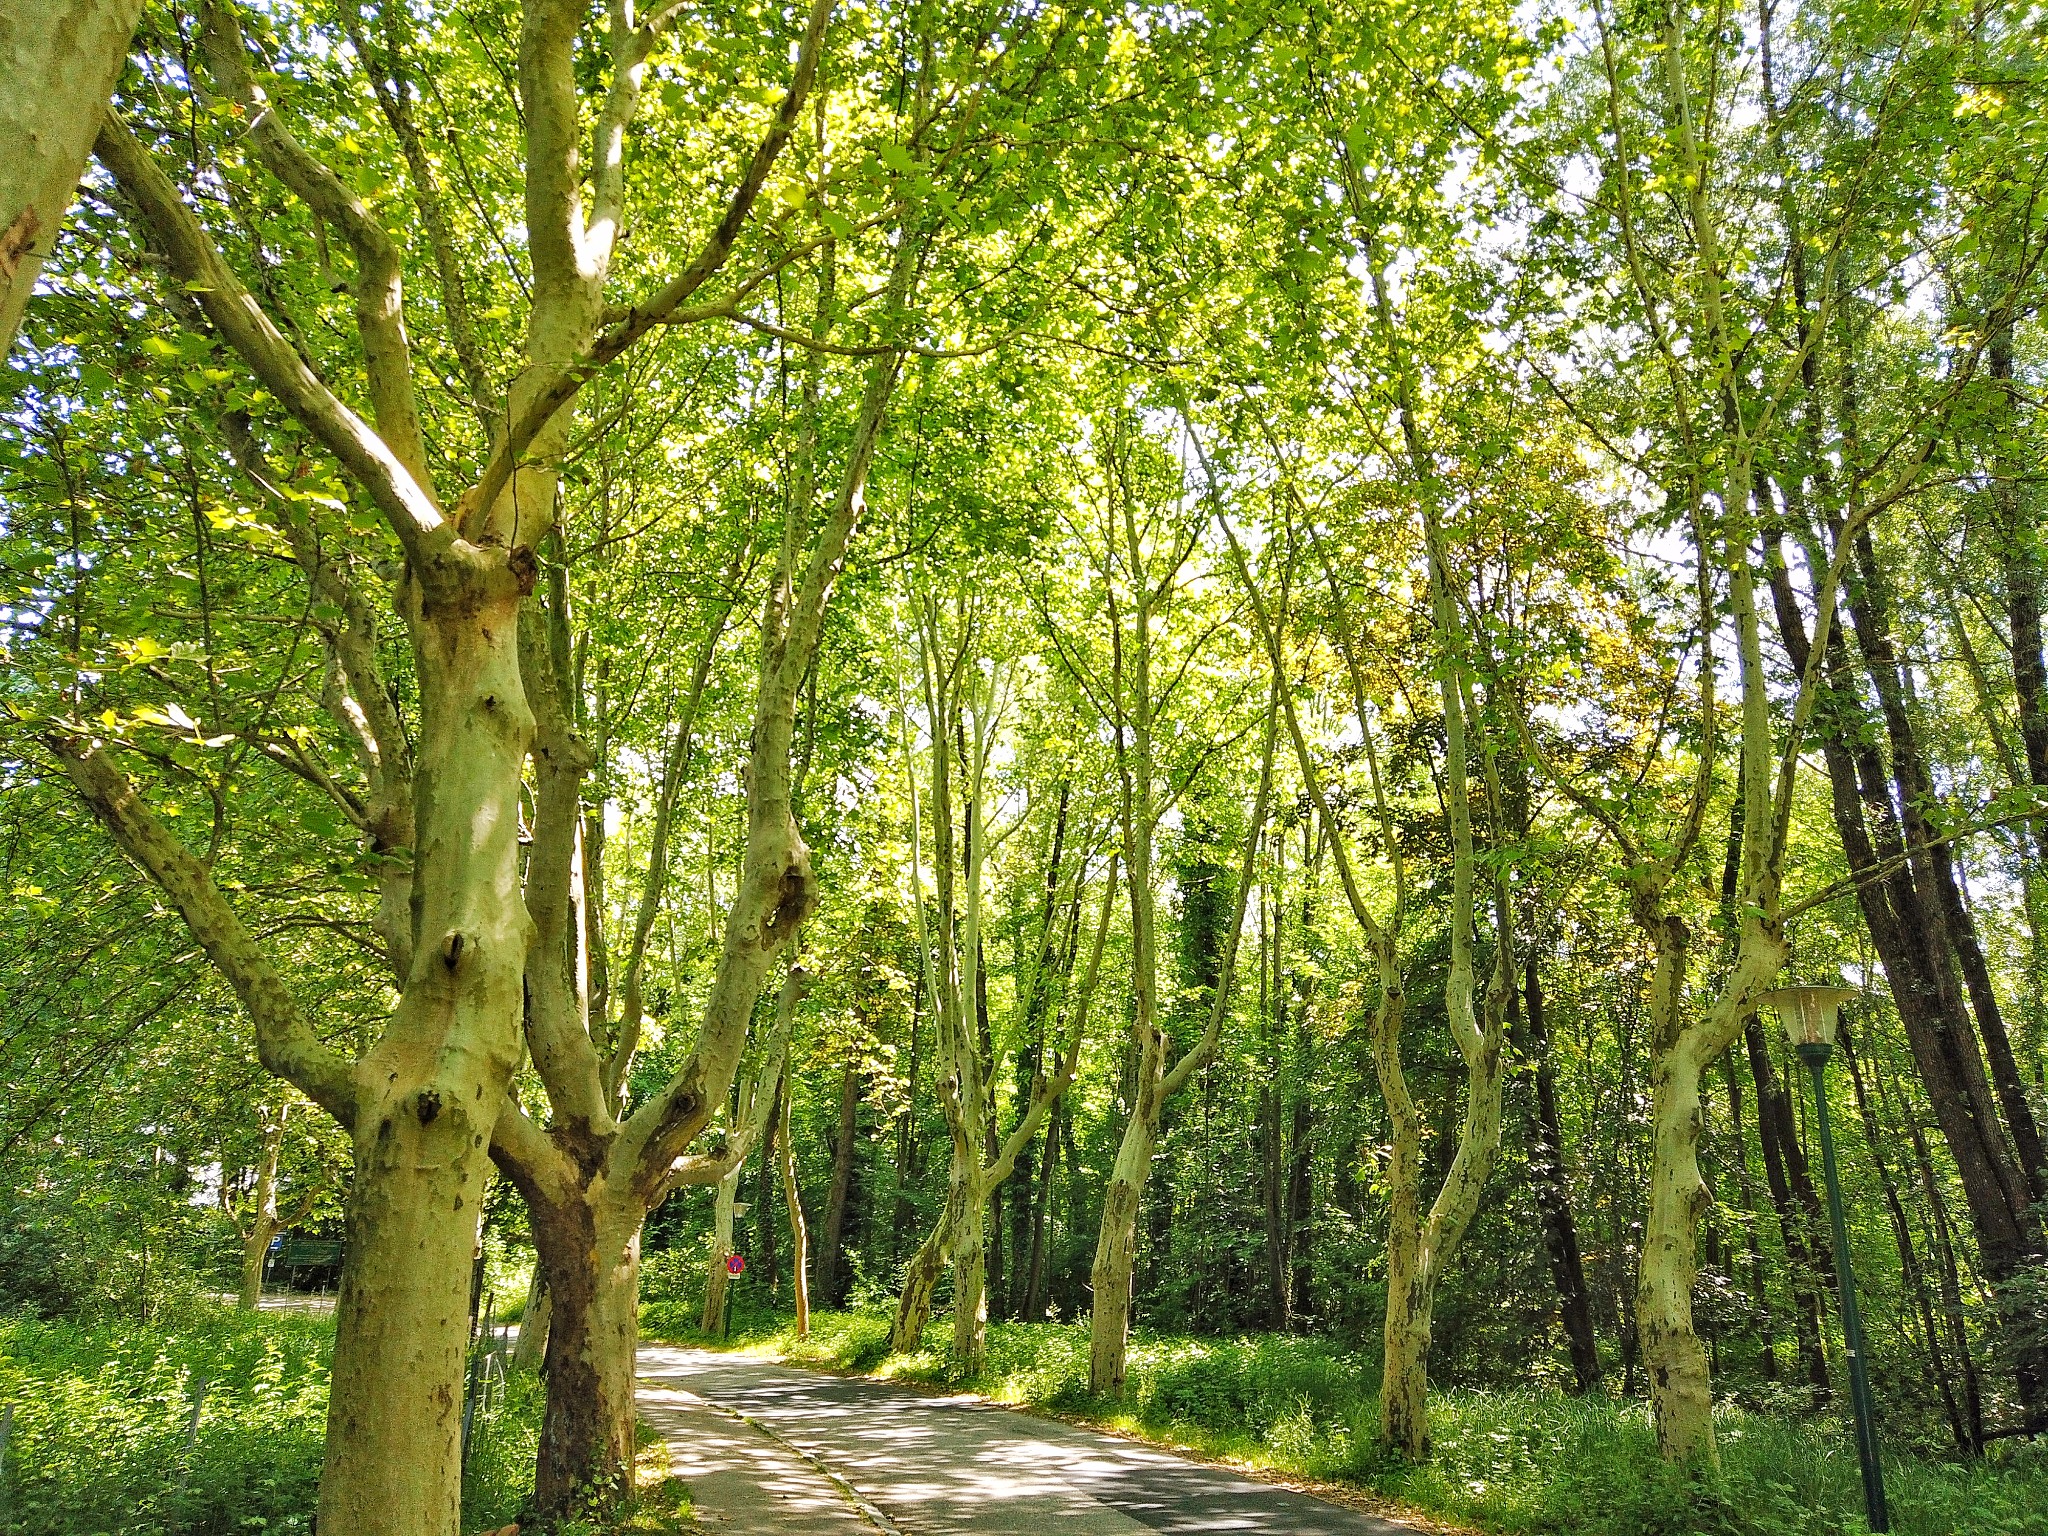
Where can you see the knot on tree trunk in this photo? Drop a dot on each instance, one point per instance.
(796, 896)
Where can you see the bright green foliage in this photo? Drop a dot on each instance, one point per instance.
(103, 1437)
(1307, 270)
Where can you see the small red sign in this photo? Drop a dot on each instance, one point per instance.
(735, 1265)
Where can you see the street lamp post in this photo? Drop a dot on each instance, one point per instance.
(1809, 1015)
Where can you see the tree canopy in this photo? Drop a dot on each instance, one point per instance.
(1196, 665)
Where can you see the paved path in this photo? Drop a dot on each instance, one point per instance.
(831, 1455)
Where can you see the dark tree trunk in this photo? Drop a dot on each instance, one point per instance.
(1793, 1199)
(761, 1220)
(1871, 607)
(833, 1271)
(1270, 1188)
(1022, 1183)
(1529, 1033)
(2021, 557)
(1069, 1278)
(586, 1435)
(1886, 844)
(1947, 1275)
(1300, 1200)
(1033, 1309)
(1912, 1275)
(2005, 1071)
(1759, 1288)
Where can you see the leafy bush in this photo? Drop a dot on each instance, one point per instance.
(214, 1427)
(105, 1437)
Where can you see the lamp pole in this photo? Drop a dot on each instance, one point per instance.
(1815, 1054)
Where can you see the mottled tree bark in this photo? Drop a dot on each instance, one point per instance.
(59, 60)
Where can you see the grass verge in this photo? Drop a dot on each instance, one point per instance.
(213, 1423)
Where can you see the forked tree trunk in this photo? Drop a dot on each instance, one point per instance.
(429, 1093)
(920, 1284)
(1157, 1078)
(426, 1103)
(422, 1104)
(1116, 1246)
(1675, 1360)
(964, 719)
(263, 1219)
(715, 1279)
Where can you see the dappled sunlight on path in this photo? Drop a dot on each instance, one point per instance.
(741, 1479)
(955, 1465)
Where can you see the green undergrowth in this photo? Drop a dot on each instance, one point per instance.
(1515, 1462)
(103, 1436)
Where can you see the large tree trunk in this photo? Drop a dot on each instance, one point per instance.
(402, 1318)
(1681, 1393)
(428, 1099)
(591, 1254)
(970, 1289)
(1116, 1245)
(59, 60)
(429, 1093)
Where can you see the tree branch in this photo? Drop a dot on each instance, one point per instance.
(406, 504)
(643, 317)
(285, 1042)
(379, 287)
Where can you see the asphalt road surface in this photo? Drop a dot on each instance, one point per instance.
(773, 1451)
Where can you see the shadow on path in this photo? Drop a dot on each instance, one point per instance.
(956, 1466)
